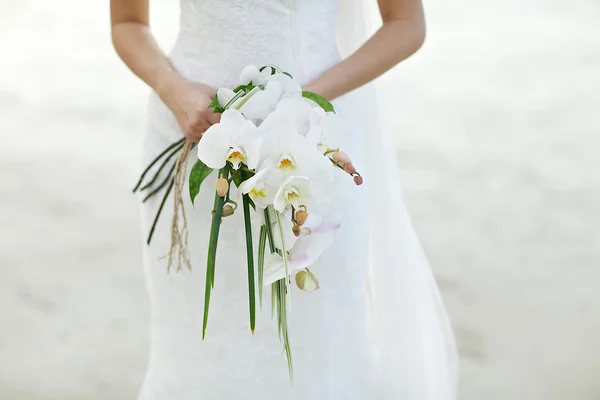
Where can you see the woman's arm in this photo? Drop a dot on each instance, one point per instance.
(136, 46)
(401, 35)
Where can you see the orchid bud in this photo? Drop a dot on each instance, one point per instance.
(358, 180)
(296, 230)
(306, 281)
(222, 186)
(301, 216)
(227, 210)
(349, 168)
(341, 157)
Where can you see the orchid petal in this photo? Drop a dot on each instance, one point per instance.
(224, 95)
(291, 88)
(298, 111)
(250, 140)
(214, 146)
(309, 248)
(274, 269)
(250, 74)
(233, 122)
(300, 186)
(260, 105)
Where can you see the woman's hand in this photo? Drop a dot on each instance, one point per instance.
(189, 103)
(136, 46)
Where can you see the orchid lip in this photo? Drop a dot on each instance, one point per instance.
(292, 195)
(257, 193)
(286, 162)
(235, 156)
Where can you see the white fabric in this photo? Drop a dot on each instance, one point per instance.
(404, 351)
(410, 327)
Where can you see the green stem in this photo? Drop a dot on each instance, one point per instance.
(250, 257)
(284, 254)
(212, 251)
(234, 98)
(282, 295)
(269, 231)
(273, 250)
(279, 298)
(262, 243)
(247, 97)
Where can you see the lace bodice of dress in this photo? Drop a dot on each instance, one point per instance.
(297, 35)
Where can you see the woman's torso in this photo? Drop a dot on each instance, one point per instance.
(218, 38)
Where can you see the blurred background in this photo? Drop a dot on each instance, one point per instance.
(498, 132)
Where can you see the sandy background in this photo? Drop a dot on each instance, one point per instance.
(498, 122)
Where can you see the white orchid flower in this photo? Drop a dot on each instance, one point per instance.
(258, 188)
(234, 139)
(325, 130)
(294, 191)
(254, 105)
(286, 148)
(224, 96)
(290, 88)
(307, 249)
(286, 225)
(259, 102)
(251, 74)
(298, 111)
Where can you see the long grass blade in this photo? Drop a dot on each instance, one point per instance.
(280, 294)
(165, 151)
(162, 166)
(163, 183)
(262, 243)
(162, 204)
(212, 251)
(250, 259)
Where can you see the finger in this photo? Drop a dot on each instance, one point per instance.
(193, 137)
(200, 125)
(193, 134)
(214, 118)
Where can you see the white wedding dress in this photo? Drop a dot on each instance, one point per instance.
(376, 329)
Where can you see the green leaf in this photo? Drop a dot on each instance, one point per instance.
(320, 100)
(241, 175)
(274, 69)
(250, 259)
(244, 88)
(215, 105)
(198, 174)
(215, 102)
(212, 252)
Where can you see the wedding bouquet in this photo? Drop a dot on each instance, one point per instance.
(280, 147)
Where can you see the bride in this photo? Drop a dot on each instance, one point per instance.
(377, 328)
